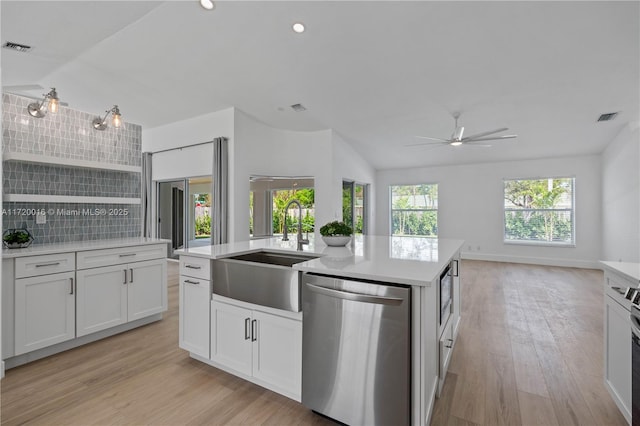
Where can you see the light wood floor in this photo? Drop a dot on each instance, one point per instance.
(529, 352)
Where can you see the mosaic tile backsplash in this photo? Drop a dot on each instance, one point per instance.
(69, 135)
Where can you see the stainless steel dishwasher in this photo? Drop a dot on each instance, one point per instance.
(356, 359)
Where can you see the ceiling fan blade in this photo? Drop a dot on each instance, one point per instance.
(433, 139)
(428, 143)
(494, 138)
(23, 87)
(477, 145)
(479, 135)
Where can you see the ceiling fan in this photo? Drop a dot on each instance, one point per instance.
(458, 139)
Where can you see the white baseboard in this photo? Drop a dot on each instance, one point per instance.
(545, 261)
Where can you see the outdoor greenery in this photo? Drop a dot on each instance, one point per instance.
(414, 210)
(280, 200)
(357, 203)
(335, 228)
(203, 226)
(539, 210)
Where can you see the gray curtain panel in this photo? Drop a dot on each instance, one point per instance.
(219, 211)
(146, 194)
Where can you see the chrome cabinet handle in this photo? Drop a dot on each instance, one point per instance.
(125, 276)
(356, 297)
(457, 268)
(192, 267)
(40, 265)
(71, 279)
(450, 344)
(247, 332)
(131, 276)
(127, 255)
(254, 332)
(192, 282)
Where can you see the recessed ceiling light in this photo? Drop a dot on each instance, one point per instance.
(298, 27)
(208, 4)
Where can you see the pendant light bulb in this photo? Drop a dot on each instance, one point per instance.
(117, 118)
(54, 102)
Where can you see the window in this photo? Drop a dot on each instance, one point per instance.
(354, 197)
(539, 211)
(414, 210)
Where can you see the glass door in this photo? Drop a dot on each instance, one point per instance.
(199, 211)
(354, 205)
(170, 213)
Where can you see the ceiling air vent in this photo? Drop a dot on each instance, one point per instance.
(608, 116)
(16, 46)
(298, 107)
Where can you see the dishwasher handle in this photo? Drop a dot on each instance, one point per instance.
(356, 297)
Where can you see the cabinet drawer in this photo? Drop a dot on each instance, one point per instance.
(446, 348)
(32, 266)
(197, 267)
(116, 256)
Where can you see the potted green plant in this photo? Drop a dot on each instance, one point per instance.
(336, 233)
(16, 238)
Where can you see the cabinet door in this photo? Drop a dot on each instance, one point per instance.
(44, 311)
(147, 288)
(231, 336)
(101, 298)
(617, 358)
(277, 352)
(195, 296)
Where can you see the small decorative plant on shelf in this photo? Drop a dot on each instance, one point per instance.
(17, 238)
(336, 233)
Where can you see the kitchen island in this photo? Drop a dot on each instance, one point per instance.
(415, 263)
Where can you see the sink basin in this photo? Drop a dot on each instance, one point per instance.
(282, 259)
(263, 278)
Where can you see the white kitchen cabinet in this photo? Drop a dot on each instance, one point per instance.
(231, 336)
(259, 345)
(44, 311)
(277, 351)
(113, 295)
(617, 357)
(195, 297)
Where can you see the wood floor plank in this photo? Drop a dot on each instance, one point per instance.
(529, 377)
(501, 397)
(601, 406)
(536, 410)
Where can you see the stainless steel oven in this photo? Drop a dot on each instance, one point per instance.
(635, 365)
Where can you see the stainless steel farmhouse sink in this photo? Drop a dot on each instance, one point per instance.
(264, 278)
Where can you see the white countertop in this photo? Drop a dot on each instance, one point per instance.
(628, 269)
(40, 249)
(402, 260)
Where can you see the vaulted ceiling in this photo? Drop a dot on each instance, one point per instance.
(378, 73)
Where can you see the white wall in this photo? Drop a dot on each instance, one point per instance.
(620, 196)
(471, 207)
(262, 150)
(349, 165)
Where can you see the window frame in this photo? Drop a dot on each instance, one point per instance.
(391, 209)
(571, 244)
(365, 204)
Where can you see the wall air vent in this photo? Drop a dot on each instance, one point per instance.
(608, 116)
(16, 46)
(298, 107)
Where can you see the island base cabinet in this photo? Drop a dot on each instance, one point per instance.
(114, 295)
(194, 304)
(261, 346)
(277, 351)
(44, 311)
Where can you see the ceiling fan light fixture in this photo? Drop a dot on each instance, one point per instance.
(207, 4)
(298, 27)
(456, 143)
